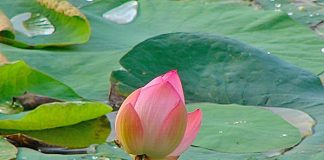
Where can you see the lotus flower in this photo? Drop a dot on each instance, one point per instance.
(153, 122)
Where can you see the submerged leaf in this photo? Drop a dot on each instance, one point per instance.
(54, 115)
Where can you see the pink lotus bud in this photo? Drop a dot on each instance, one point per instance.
(153, 122)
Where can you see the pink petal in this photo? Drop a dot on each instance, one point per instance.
(169, 135)
(155, 81)
(154, 104)
(132, 98)
(193, 126)
(129, 130)
(173, 77)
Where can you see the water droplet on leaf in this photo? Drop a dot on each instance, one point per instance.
(32, 24)
(322, 50)
(122, 14)
(284, 135)
(301, 8)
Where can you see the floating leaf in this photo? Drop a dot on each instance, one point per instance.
(7, 150)
(231, 128)
(17, 78)
(80, 135)
(41, 23)
(276, 33)
(105, 151)
(194, 153)
(304, 11)
(216, 69)
(299, 119)
(54, 115)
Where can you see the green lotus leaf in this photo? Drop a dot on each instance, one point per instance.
(216, 69)
(80, 135)
(105, 151)
(7, 150)
(274, 32)
(52, 115)
(42, 23)
(231, 128)
(17, 78)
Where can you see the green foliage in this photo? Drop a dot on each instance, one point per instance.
(60, 22)
(17, 78)
(243, 129)
(7, 150)
(53, 115)
(80, 135)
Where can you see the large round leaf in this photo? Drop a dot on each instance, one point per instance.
(216, 69)
(274, 32)
(105, 151)
(54, 115)
(240, 129)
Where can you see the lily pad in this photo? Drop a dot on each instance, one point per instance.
(232, 128)
(105, 151)
(80, 135)
(276, 33)
(54, 115)
(41, 23)
(194, 153)
(7, 150)
(299, 119)
(17, 78)
(304, 11)
(216, 69)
